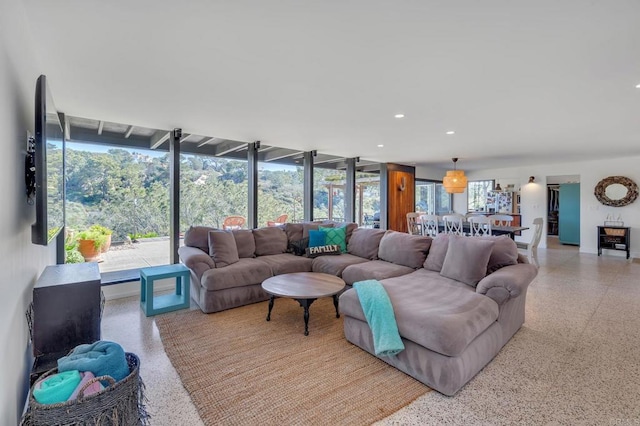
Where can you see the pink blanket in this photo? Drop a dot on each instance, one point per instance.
(91, 389)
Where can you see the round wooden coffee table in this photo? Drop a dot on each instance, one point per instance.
(305, 288)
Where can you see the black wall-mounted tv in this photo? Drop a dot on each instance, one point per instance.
(49, 165)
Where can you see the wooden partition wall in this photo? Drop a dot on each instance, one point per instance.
(397, 195)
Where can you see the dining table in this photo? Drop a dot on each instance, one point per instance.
(511, 231)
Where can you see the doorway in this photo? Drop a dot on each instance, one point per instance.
(563, 210)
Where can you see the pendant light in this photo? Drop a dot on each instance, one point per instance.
(455, 181)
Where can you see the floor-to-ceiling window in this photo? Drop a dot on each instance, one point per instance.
(123, 190)
(328, 194)
(368, 199)
(431, 198)
(213, 192)
(280, 193)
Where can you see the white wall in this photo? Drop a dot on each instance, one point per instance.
(20, 262)
(592, 213)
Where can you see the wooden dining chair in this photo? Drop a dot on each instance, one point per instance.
(453, 224)
(413, 227)
(479, 225)
(501, 219)
(429, 224)
(532, 246)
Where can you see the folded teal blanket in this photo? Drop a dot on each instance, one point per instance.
(378, 311)
(102, 358)
(56, 388)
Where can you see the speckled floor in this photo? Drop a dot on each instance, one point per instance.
(575, 361)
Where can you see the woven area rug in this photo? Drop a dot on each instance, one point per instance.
(240, 369)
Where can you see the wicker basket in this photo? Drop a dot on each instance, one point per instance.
(121, 404)
(614, 231)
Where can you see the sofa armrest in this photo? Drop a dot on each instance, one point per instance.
(196, 260)
(508, 282)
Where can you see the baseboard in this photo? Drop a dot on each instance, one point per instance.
(132, 288)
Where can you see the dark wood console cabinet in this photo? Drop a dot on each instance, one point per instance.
(66, 311)
(614, 238)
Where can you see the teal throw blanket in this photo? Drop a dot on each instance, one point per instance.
(102, 358)
(56, 388)
(379, 314)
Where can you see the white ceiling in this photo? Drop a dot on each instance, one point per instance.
(519, 82)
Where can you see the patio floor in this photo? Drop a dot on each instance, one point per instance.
(146, 252)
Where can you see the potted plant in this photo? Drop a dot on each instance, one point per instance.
(90, 244)
(106, 232)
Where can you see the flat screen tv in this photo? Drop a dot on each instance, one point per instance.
(49, 167)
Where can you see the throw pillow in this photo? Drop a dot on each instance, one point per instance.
(313, 252)
(298, 247)
(317, 238)
(336, 236)
(364, 242)
(467, 258)
(270, 240)
(437, 253)
(222, 248)
(404, 249)
(504, 253)
(245, 242)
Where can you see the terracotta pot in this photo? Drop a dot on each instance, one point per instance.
(88, 250)
(107, 244)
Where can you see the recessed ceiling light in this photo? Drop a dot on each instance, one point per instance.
(637, 86)
(399, 116)
(380, 146)
(451, 132)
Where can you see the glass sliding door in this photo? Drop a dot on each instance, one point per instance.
(431, 198)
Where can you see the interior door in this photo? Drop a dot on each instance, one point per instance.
(569, 214)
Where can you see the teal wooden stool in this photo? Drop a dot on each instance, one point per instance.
(169, 302)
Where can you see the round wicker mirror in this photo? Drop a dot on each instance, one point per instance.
(616, 191)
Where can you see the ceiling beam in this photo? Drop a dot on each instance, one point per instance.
(184, 138)
(227, 147)
(100, 126)
(128, 132)
(279, 154)
(329, 160)
(159, 138)
(81, 134)
(206, 142)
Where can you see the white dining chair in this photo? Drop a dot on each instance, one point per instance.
(429, 223)
(413, 227)
(453, 224)
(501, 219)
(532, 246)
(479, 225)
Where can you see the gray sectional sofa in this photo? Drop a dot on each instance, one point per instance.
(455, 307)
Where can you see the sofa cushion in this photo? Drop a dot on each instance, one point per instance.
(467, 259)
(222, 248)
(373, 270)
(337, 236)
(348, 226)
(293, 231)
(364, 242)
(298, 247)
(437, 253)
(286, 263)
(242, 273)
(270, 240)
(317, 238)
(436, 312)
(404, 249)
(198, 236)
(504, 253)
(313, 226)
(245, 242)
(334, 265)
(326, 250)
